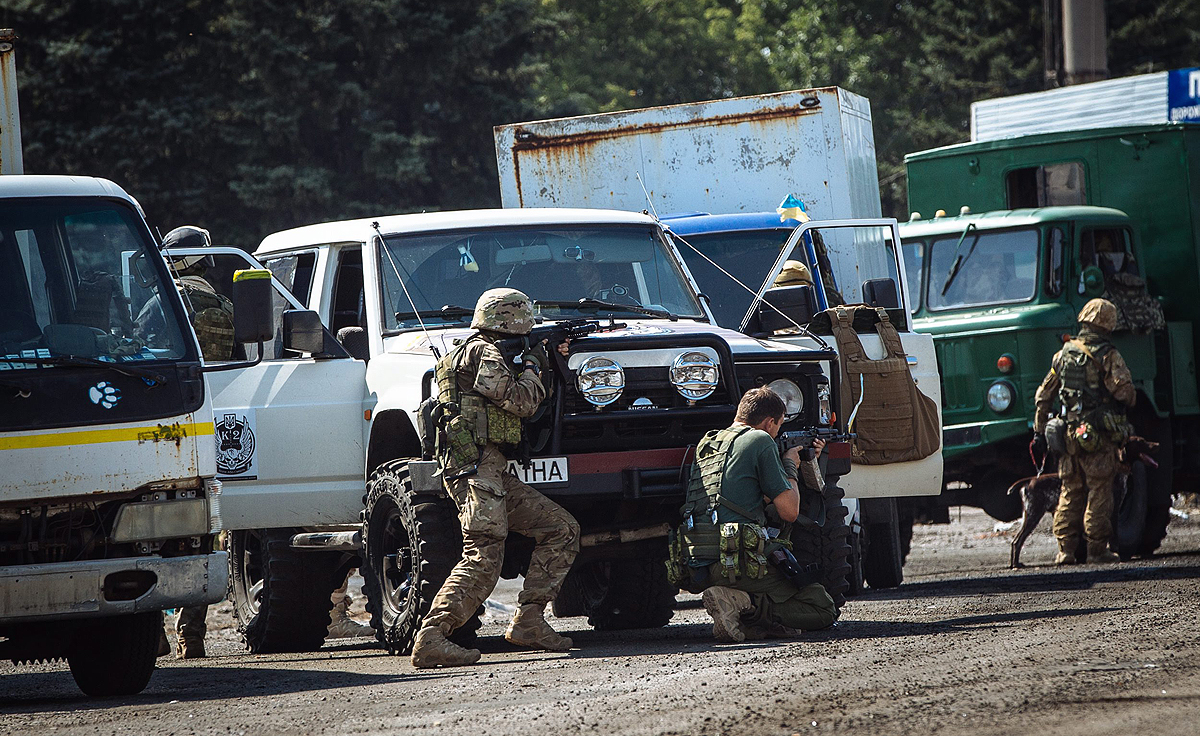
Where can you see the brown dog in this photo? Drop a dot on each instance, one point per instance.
(1039, 494)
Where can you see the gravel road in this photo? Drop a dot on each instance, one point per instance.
(964, 646)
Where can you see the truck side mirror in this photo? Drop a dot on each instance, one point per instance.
(1091, 281)
(252, 305)
(303, 331)
(881, 293)
(797, 302)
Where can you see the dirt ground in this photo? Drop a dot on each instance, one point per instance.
(964, 646)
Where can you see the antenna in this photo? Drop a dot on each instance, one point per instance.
(411, 303)
(648, 200)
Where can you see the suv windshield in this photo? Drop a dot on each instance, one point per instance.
(74, 277)
(997, 267)
(624, 266)
(745, 254)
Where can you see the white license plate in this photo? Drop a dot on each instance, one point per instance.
(540, 470)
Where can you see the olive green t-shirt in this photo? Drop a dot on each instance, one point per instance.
(754, 470)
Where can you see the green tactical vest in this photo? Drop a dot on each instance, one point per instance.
(1082, 375)
(485, 421)
(212, 319)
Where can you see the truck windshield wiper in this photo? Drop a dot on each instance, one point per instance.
(959, 259)
(77, 360)
(448, 312)
(588, 303)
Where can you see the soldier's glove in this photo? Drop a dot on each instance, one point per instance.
(1038, 445)
(537, 358)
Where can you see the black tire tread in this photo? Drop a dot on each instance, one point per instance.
(433, 520)
(116, 655)
(828, 545)
(883, 560)
(293, 615)
(638, 596)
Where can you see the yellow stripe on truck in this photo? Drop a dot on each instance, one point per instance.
(148, 433)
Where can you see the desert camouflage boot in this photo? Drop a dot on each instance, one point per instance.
(726, 606)
(1100, 553)
(529, 629)
(432, 648)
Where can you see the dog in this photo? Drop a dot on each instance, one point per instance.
(1039, 494)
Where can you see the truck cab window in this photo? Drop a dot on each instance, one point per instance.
(1046, 186)
(295, 272)
(1107, 249)
(914, 256)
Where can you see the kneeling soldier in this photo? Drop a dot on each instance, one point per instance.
(724, 542)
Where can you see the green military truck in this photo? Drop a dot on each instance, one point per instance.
(1065, 216)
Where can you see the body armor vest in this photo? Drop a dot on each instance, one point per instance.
(484, 420)
(212, 318)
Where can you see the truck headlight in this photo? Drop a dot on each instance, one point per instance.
(694, 376)
(793, 397)
(1000, 396)
(601, 380)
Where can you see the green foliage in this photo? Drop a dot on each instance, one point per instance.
(249, 116)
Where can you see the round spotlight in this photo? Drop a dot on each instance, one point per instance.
(601, 380)
(1000, 396)
(694, 375)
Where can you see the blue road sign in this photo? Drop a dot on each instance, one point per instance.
(1183, 95)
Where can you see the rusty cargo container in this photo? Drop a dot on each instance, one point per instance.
(743, 154)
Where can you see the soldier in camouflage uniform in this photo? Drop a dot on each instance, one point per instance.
(486, 401)
(1093, 387)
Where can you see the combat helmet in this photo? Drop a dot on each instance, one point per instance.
(503, 310)
(1101, 314)
(794, 273)
(187, 236)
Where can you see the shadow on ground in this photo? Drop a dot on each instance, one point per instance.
(1028, 580)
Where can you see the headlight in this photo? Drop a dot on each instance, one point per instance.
(1000, 396)
(694, 376)
(793, 397)
(601, 380)
(825, 411)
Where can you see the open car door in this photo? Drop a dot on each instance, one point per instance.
(289, 431)
(857, 262)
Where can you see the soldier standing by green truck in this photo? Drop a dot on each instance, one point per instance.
(482, 404)
(1093, 386)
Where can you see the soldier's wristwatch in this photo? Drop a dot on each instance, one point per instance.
(532, 366)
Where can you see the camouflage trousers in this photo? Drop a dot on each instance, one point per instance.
(1085, 504)
(491, 504)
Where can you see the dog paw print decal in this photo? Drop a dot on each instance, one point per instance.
(105, 394)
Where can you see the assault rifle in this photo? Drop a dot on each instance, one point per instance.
(514, 347)
(803, 438)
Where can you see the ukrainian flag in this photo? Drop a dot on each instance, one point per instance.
(792, 208)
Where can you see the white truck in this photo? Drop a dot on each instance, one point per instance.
(612, 445)
(108, 497)
(715, 172)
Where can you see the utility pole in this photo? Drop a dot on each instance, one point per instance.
(10, 116)
(1085, 41)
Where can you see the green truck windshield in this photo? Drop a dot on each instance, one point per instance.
(77, 279)
(998, 267)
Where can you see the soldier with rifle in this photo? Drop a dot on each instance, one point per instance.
(482, 399)
(726, 546)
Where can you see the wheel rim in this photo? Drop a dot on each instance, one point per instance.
(395, 560)
(253, 578)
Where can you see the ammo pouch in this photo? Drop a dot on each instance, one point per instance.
(456, 439)
(1056, 436)
(427, 427)
(737, 548)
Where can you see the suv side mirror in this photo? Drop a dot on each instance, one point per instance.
(303, 331)
(797, 302)
(881, 293)
(252, 305)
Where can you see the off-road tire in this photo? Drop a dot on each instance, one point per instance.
(420, 534)
(281, 595)
(904, 510)
(627, 594)
(115, 655)
(827, 544)
(855, 584)
(883, 561)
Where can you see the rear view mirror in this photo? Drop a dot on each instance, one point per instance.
(881, 293)
(252, 305)
(796, 302)
(1091, 282)
(522, 255)
(303, 331)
